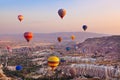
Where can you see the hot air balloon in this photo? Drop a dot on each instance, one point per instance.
(53, 62)
(28, 36)
(18, 67)
(72, 37)
(59, 39)
(9, 49)
(51, 47)
(62, 60)
(61, 13)
(68, 48)
(20, 17)
(84, 27)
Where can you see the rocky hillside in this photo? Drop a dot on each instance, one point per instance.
(108, 46)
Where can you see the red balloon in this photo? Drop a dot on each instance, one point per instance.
(28, 36)
(9, 49)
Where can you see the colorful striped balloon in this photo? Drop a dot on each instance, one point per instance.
(53, 62)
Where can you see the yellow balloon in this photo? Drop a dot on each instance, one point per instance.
(53, 62)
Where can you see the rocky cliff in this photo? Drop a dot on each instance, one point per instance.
(108, 46)
(2, 75)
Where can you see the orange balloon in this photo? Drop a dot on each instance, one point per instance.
(61, 13)
(20, 18)
(72, 37)
(28, 36)
(59, 39)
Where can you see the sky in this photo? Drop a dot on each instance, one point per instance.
(41, 16)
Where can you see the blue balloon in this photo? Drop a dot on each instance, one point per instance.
(18, 67)
(68, 48)
(84, 27)
(62, 60)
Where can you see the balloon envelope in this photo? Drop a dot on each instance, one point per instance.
(68, 48)
(84, 27)
(53, 62)
(20, 17)
(28, 36)
(59, 39)
(9, 49)
(18, 67)
(72, 37)
(62, 60)
(51, 47)
(61, 13)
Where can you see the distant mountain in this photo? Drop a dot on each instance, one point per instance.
(52, 37)
(106, 46)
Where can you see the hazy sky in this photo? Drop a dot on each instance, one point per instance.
(40, 16)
